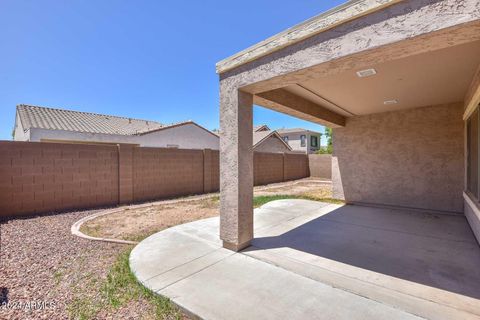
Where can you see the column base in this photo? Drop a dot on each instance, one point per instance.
(235, 247)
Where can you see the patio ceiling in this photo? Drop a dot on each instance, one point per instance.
(419, 80)
(329, 91)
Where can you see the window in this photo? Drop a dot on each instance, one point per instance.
(303, 138)
(314, 141)
(472, 154)
(285, 139)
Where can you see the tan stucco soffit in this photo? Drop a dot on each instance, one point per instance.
(472, 98)
(284, 101)
(341, 14)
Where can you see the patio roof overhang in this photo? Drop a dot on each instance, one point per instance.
(309, 72)
(327, 20)
(356, 36)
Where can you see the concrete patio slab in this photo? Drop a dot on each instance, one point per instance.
(240, 287)
(317, 260)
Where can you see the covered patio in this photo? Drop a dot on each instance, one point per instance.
(396, 81)
(313, 260)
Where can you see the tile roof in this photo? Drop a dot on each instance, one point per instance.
(288, 130)
(69, 120)
(173, 125)
(261, 127)
(259, 136)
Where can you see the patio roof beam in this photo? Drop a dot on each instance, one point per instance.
(286, 102)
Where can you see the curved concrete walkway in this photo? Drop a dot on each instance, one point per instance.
(259, 190)
(281, 276)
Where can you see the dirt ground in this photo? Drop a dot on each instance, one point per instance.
(312, 187)
(136, 224)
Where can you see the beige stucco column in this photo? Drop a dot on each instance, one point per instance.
(236, 168)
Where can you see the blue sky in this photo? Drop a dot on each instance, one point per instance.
(142, 59)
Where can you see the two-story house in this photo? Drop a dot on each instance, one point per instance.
(300, 139)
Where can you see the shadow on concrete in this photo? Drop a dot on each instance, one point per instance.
(431, 249)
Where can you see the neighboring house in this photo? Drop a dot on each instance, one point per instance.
(269, 141)
(266, 140)
(301, 139)
(33, 123)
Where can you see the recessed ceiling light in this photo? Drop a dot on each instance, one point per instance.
(366, 73)
(386, 102)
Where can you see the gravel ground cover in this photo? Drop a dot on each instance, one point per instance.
(47, 273)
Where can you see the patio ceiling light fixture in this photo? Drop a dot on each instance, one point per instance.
(387, 102)
(366, 73)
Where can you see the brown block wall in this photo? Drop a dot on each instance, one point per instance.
(40, 177)
(46, 177)
(215, 170)
(267, 168)
(162, 173)
(126, 165)
(295, 166)
(210, 170)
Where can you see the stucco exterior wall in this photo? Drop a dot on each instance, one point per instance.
(188, 136)
(37, 135)
(411, 158)
(19, 134)
(320, 165)
(294, 141)
(271, 144)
